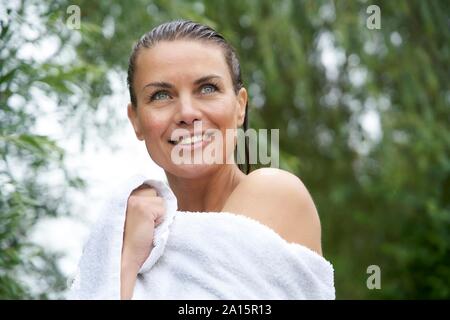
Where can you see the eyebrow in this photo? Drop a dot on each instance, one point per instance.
(166, 85)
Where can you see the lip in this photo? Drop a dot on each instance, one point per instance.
(193, 146)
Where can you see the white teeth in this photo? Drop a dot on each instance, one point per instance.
(192, 140)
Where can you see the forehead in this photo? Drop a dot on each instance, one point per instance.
(180, 60)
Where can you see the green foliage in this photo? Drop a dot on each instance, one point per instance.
(383, 199)
(29, 161)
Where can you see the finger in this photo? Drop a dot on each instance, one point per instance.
(145, 191)
(159, 220)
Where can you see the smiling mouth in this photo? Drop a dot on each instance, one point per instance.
(189, 140)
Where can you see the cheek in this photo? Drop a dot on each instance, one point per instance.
(223, 115)
(153, 125)
(223, 112)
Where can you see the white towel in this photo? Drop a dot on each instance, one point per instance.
(200, 255)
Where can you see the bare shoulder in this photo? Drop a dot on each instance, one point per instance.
(281, 201)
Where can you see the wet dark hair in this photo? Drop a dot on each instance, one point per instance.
(182, 30)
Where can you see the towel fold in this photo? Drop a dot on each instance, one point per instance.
(200, 255)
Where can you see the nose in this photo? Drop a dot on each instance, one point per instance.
(187, 113)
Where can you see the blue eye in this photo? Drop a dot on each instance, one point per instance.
(160, 95)
(208, 88)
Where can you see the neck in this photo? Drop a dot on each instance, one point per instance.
(207, 193)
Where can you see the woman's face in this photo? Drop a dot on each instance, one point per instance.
(178, 84)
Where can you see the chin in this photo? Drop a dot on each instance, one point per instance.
(191, 171)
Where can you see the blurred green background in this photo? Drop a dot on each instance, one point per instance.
(364, 119)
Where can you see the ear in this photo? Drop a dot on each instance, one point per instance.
(133, 117)
(242, 102)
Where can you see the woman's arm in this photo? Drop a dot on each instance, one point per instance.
(145, 210)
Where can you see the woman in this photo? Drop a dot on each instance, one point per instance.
(181, 74)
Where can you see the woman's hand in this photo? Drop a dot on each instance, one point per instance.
(145, 210)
